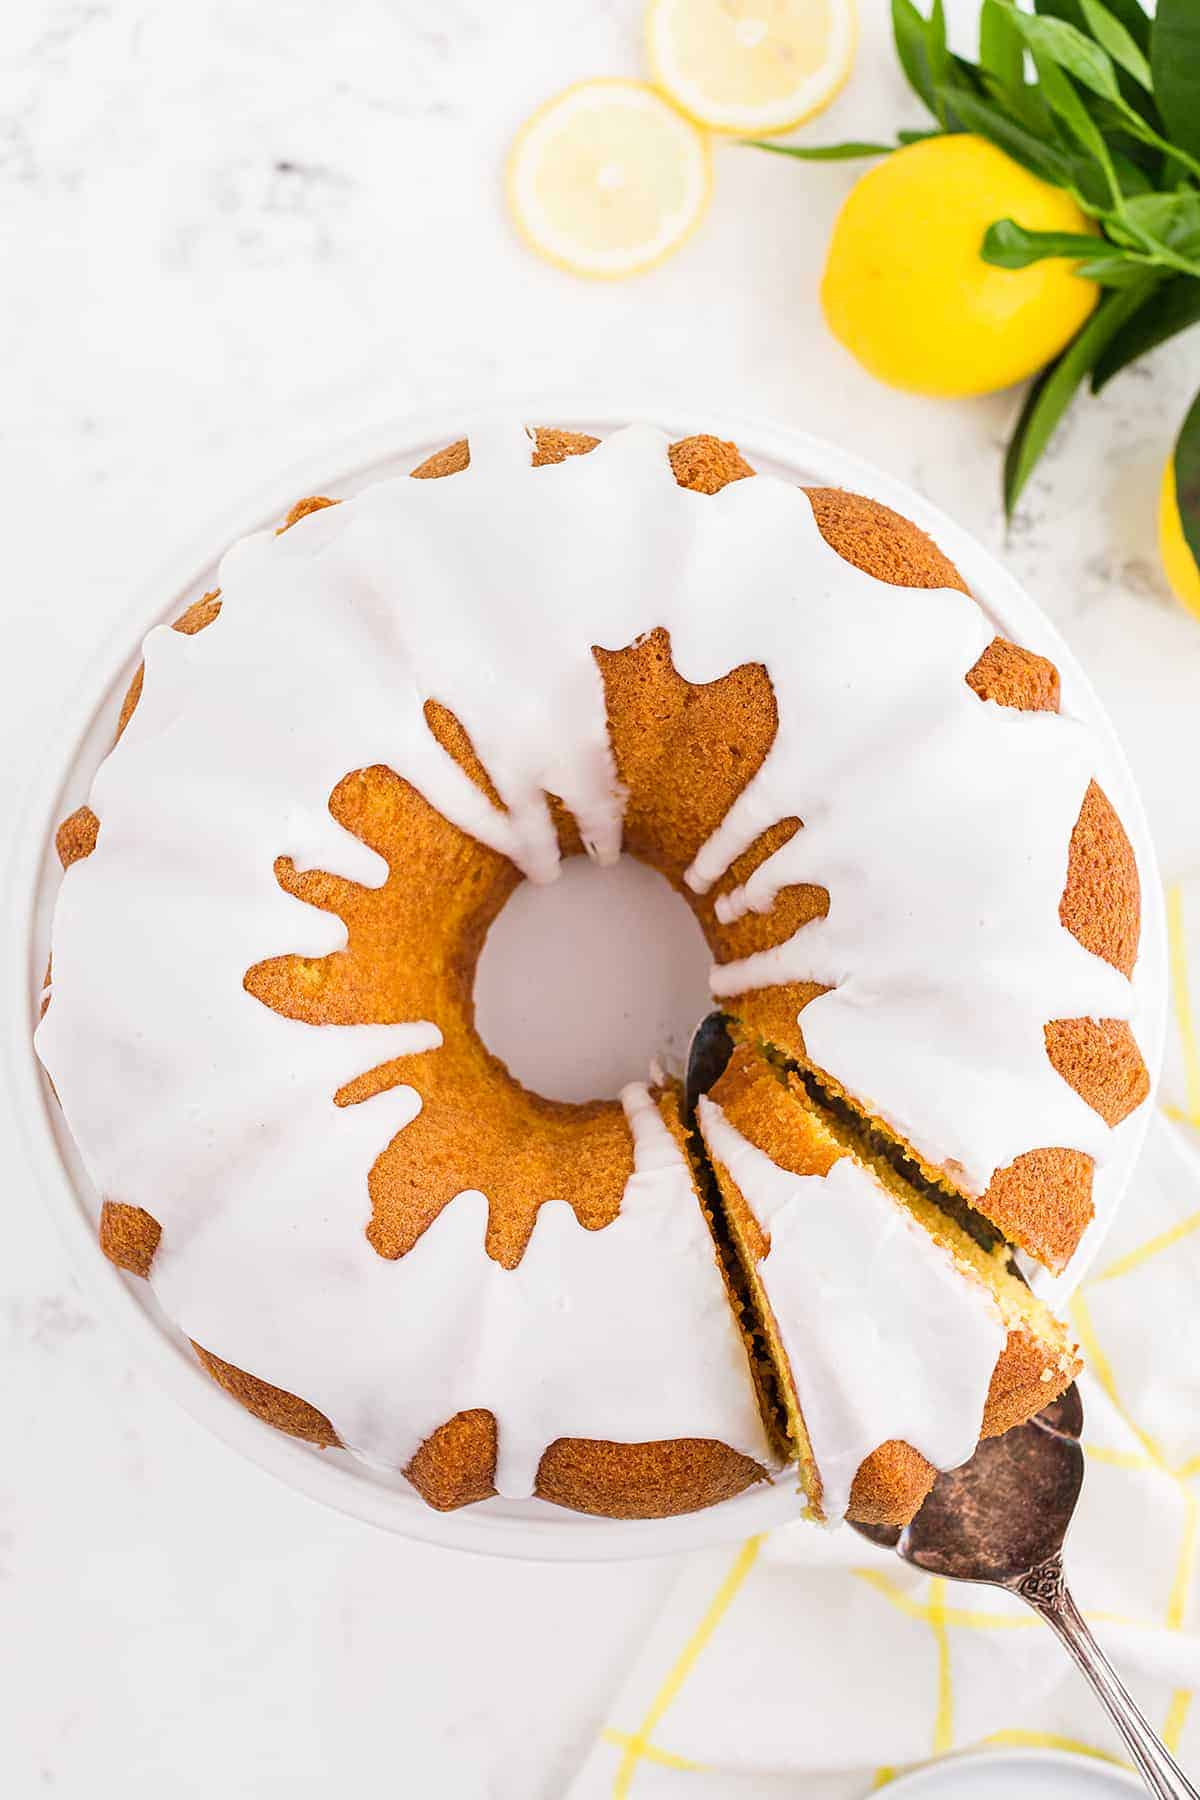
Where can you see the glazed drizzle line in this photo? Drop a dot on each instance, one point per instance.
(939, 824)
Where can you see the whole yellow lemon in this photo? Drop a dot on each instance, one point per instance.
(1176, 553)
(908, 293)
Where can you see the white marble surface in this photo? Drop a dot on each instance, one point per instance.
(233, 233)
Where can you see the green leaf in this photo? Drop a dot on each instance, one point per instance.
(821, 152)
(1175, 60)
(1001, 50)
(1178, 219)
(1133, 175)
(1054, 389)
(1113, 271)
(954, 75)
(1026, 104)
(1102, 189)
(1187, 477)
(1112, 36)
(1056, 42)
(1138, 163)
(936, 51)
(1171, 308)
(967, 75)
(909, 30)
(1070, 10)
(991, 121)
(932, 72)
(1130, 12)
(925, 57)
(1166, 222)
(1065, 45)
(903, 138)
(1135, 19)
(1007, 245)
(1144, 213)
(1175, 153)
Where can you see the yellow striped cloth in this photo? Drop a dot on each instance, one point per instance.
(808, 1661)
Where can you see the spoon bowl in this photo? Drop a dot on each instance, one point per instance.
(708, 1056)
(1002, 1518)
(1007, 1510)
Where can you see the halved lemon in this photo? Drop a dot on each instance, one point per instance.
(756, 66)
(608, 178)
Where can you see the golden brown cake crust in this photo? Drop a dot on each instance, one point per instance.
(1015, 677)
(456, 1465)
(1101, 1060)
(891, 1485)
(302, 508)
(664, 730)
(549, 446)
(411, 953)
(643, 1481)
(1102, 901)
(77, 836)
(271, 1404)
(707, 464)
(1042, 1202)
(128, 1236)
(881, 542)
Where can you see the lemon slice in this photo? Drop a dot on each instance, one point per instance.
(608, 178)
(750, 65)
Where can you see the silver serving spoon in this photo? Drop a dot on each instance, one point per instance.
(1002, 1517)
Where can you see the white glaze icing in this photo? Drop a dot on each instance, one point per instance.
(487, 591)
(621, 1334)
(885, 1335)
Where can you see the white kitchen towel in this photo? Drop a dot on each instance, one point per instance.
(809, 1661)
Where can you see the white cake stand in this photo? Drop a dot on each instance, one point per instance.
(527, 1529)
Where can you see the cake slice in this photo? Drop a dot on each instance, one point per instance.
(898, 1338)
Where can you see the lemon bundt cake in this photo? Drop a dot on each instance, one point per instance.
(923, 914)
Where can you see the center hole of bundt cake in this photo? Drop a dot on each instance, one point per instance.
(584, 982)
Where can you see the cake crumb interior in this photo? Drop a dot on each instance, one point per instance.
(978, 1249)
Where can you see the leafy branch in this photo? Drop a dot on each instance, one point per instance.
(1097, 98)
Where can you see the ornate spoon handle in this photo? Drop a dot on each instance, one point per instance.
(1045, 1589)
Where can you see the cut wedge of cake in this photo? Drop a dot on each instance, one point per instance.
(899, 1339)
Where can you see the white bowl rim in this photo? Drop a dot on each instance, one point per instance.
(542, 1532)
(1023, 1760)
